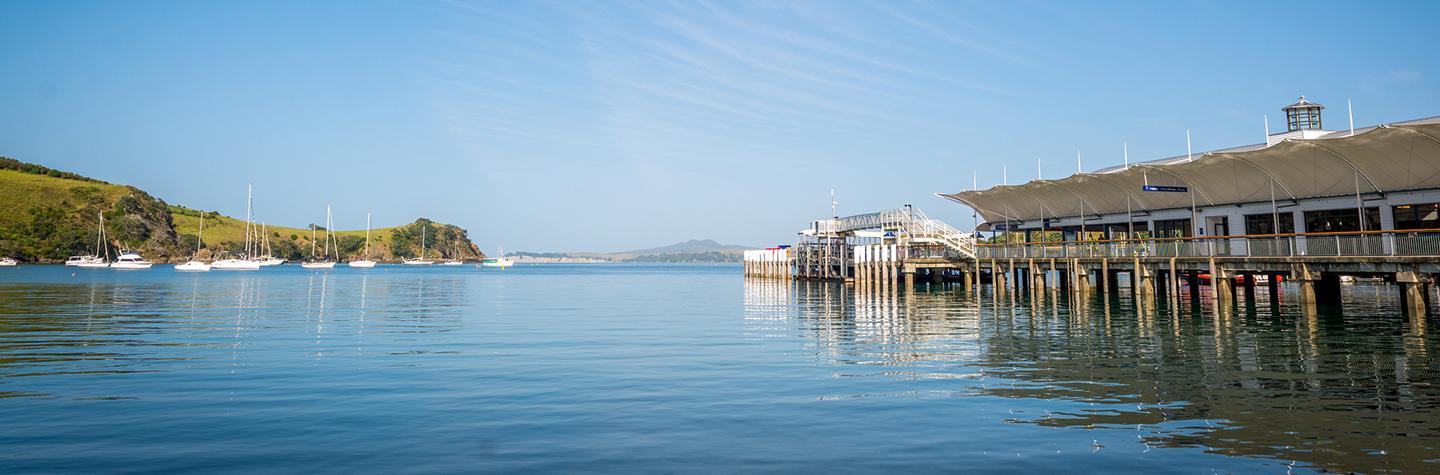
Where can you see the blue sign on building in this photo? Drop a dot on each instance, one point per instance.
(1167, 189)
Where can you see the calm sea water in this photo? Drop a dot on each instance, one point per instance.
(620, 368)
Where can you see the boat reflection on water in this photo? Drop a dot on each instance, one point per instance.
(1333, 390)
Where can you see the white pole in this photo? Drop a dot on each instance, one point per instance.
(1079, 168)
(1267, 130)
(1037, 169)
(832, 204)
(1188, 157)
(1275, 210)
(1005, 174)
(1359, 203)
(1126, 147)
(1351, 111)
(974, 180)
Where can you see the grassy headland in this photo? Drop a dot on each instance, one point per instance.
(47, 215)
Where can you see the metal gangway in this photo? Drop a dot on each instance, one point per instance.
(907, 225)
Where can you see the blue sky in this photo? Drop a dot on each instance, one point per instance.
(575, 125)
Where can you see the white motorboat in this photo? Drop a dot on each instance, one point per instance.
(8, 262)
(130, 260)
(323, 261)
(453, 262)
(266, 261)
(419, 261)
(365, 262)
(498, 261)
(94, 261)
(194, 265)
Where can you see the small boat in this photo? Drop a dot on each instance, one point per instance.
(419, 261)
(498, 261)
(453, 262)
(86, 261)
(365, 262)
(8, 262)
(268, 258)
(130, 260)
(323, 261)
(243, 261)
(235, 264)
(94, 261)
(194, 265)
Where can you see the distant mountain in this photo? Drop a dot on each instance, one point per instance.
(693, 246)
(694, 250)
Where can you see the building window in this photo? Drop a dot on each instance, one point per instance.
(1170, 228)
(1336, 220)
(1425, 216)
(1265, 223)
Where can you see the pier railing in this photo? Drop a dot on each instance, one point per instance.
(1412, 242)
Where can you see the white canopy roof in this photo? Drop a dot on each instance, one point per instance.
(1402, 156)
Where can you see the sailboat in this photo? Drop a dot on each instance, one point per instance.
(94, 260)
(8, 262)
(419, 261)
(322, 261)
(498, 261)
(243, 262)
(365, 262)
(194, 265)
(267, 258)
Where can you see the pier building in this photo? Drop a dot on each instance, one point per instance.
(1311, 205)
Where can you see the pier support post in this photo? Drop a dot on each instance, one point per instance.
(909, 280)
(1328, 290)
(1414, 290)
(1224, 286)
(1172, 282)
(1306, 278)
(1144, 281)
(1104, 277)
(1248, 284)
(937, 276)
(968, 279)
(1082, 277)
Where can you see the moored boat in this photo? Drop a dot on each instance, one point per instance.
(194, 265)
(498, 261)
(419, 261)
(323, 261)
(8, 262)
(364, 262)
(130, 260)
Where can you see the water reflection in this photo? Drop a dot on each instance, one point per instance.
(1330, 390)
(98, 324)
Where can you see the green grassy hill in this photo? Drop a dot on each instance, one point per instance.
(393, 243)
(47, 215)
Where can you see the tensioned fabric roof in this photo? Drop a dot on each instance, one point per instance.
(1395, 157)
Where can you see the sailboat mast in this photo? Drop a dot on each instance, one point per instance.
(367, 235)
(201, 236)
(249, 210)
(329, 234)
